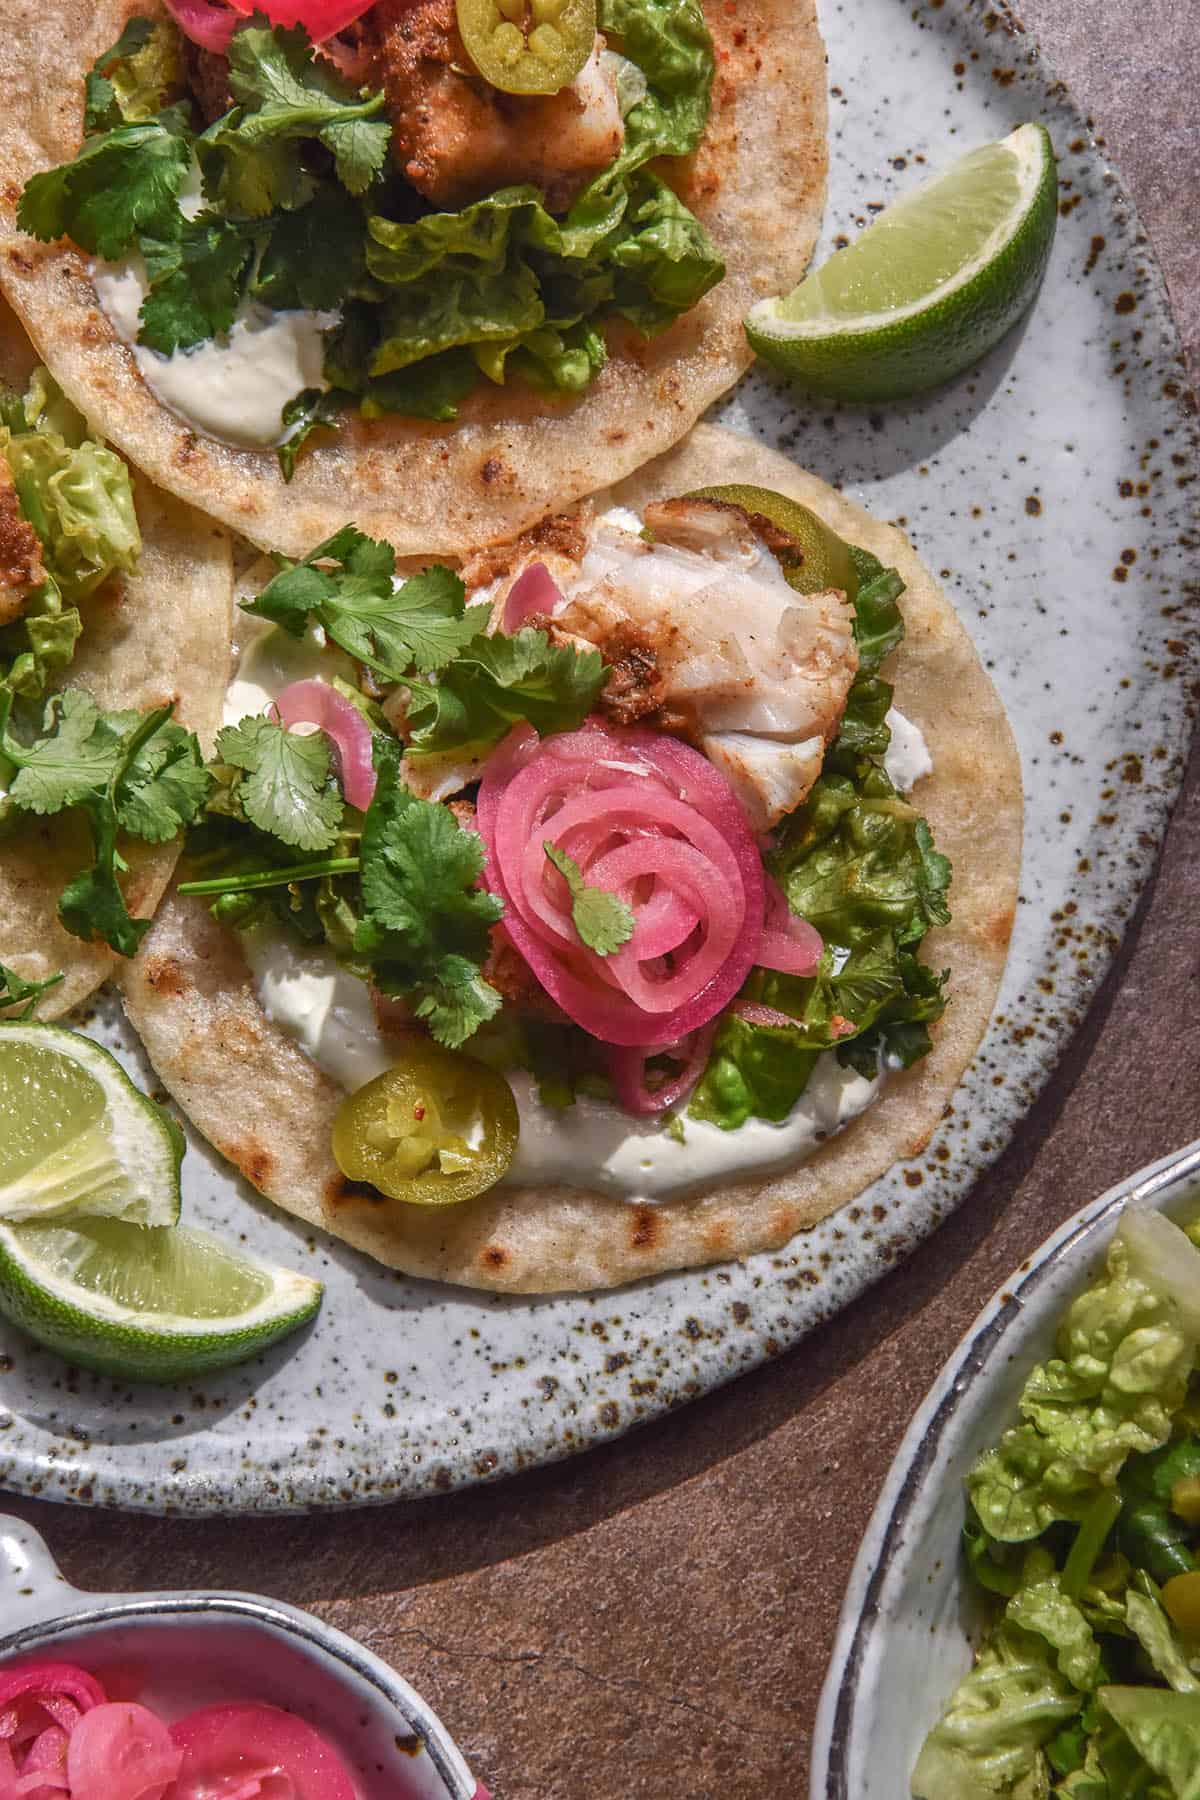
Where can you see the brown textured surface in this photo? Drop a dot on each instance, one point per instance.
(659, 1613)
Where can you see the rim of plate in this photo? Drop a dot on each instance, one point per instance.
(885, 1541)
(453, 1455)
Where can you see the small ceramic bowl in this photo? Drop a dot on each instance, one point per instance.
(904, 1637)
(180, 1651)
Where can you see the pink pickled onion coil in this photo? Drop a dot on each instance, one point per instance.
(314, 702)
(534, 591)
(43, 1694)
(644, 817)
(226, 1747)
(208, 23)
(627, 1067)
(121, 1751)
(44, 1770)
(211, 23)
(789, 943)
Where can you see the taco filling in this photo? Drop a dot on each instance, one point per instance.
(380, 207)
(593, 863)
(86, 788)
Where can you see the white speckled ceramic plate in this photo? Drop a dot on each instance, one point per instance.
(1050, 491)
(904, 1636)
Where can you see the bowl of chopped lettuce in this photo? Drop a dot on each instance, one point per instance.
(1023, 1619)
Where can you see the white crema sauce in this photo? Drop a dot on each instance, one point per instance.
(233, 387)
(591, 1144)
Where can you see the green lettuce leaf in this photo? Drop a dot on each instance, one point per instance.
(1125, 1353)
(1040, 1606)
(1159, 1639)
(991, 1736)
(1163, 1729)
(74, 491)
(132, 81)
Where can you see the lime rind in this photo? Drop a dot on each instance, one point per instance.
(82, 1322)
(920, 334)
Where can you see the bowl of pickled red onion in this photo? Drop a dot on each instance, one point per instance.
(199, 1696)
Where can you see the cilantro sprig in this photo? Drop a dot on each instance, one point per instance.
(484, 684)
(347, 585)
(16, 991)
(287, 786)
(416, 922)
(127, 772)
(602, 919)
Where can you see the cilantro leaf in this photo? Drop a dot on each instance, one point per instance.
(313, 409)
(496, 681)
(163, 785)
(426, 929)
(287, 788)
(16, 991)
(196, 280)
(74, 758)
(285, 95)
(346, 586)
(603, 921)
(138, 772)
(314, 256)
(101, 111)
(122, 184)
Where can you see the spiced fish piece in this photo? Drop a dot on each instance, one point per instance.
(595, 1195)
(453, 310)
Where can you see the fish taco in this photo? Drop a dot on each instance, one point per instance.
(463, 262)
(626, 899)
(114, 622)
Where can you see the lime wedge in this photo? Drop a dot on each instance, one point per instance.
(146, 1304)
(76, 1135)
(927, 289)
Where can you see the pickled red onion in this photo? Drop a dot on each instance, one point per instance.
(789, 943)
(211, 23)
(314, 702)
(649, 819)
(534, 591)
(226, 1745)
(44, 1771)
(121, 1751)
(627, 1067)
(43, 1694)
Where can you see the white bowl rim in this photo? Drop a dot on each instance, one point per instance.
(879, 1554)
(278, 1617)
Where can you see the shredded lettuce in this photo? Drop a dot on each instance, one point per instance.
(77, 495)
(1120, 1375)
(1086, 1687)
